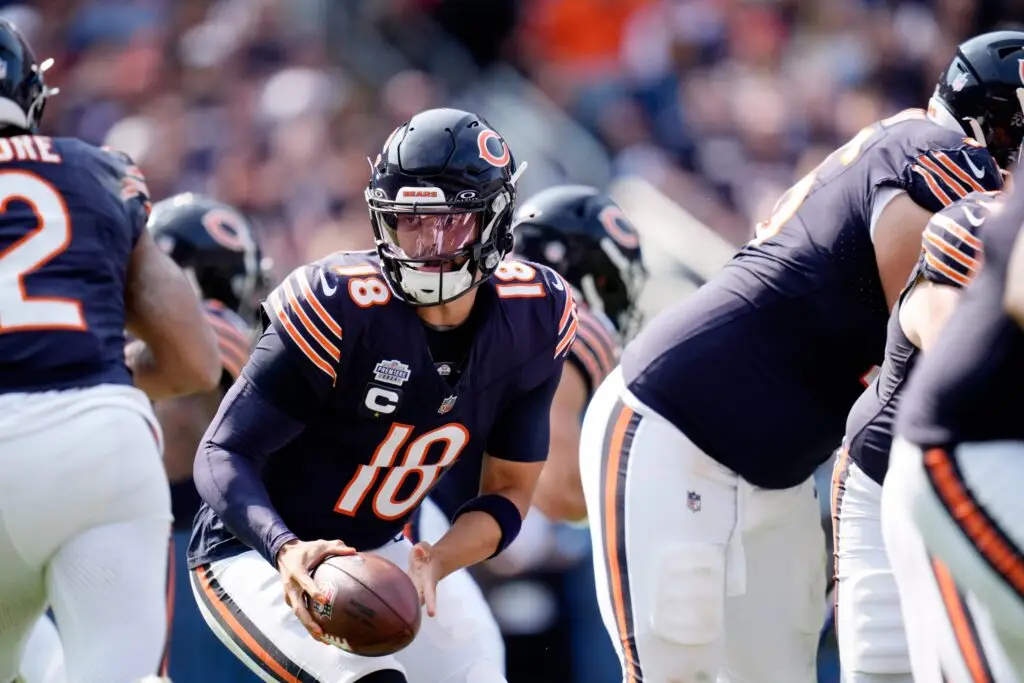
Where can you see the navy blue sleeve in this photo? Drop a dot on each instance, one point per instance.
(260, 414)
(938, 178)
(293, 386)
(132, 189)
(523, 431)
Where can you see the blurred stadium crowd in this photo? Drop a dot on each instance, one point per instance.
(274, 105)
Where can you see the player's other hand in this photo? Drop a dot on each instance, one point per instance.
(425, 572)
(295, 562)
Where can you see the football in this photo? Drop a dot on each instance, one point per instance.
(371, 607)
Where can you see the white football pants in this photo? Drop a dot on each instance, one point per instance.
(954, 529)
(85, 517)
(869, 624)
(699, 574)
(242, 600)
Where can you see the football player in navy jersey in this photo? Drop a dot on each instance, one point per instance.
(869, 626)
(84, 504)
(697, 457)
(215, 245)
(583, 235)
(375, 373)
(951, 504)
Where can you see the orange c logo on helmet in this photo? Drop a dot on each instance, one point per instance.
(500, 159)
(227, 229)
(618, 227)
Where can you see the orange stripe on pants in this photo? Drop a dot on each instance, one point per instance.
(618, 579)
(229, 621)
(963, 627)
(990, 541)
(839, 472)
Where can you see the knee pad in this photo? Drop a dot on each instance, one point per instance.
(689, 596)
(384, 676)
(877, 643)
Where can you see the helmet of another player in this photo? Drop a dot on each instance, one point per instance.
(581, 233)
(983, 89)
(216, 247)
(441, 197)
(23, 91)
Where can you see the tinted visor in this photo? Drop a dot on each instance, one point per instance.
(430, 236)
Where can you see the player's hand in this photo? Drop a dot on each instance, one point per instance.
(425, 572)
(295, 562)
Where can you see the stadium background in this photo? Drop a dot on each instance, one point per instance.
(712, 105)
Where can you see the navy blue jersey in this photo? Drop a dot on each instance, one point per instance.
(951, 255)
(234, 339)
(594, 354)
(759, 368)
(380, 419)
(967, 388)
(70, 214)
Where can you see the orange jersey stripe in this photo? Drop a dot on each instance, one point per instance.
(938, 265)
(594, 334)
(317, 307)
(959, 231)
(961, 175)
(308, 325)
(296, 337)
(233, 344)
(951, 251)
(950, 182)
(933, 185)
(568, 337)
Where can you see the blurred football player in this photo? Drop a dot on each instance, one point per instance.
(697, 457)
(952, 512)
(869, 626)
(84, 503)
(216, 247)
(375, 373)
(584, 236)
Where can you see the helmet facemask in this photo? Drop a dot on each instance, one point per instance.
(434, 251)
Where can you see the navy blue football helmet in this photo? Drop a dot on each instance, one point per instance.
(23, 91)
(584, 235)
(983, 89)
(216, 246)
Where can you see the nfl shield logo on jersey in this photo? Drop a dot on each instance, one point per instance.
(446, 405)
(693, 501)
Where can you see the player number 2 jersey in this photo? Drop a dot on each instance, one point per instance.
(70, 214)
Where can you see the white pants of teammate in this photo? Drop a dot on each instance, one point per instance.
(954, 530)
(699, 574)
(85, 515)
(869, 624)
(242, 600)
(42, 661)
